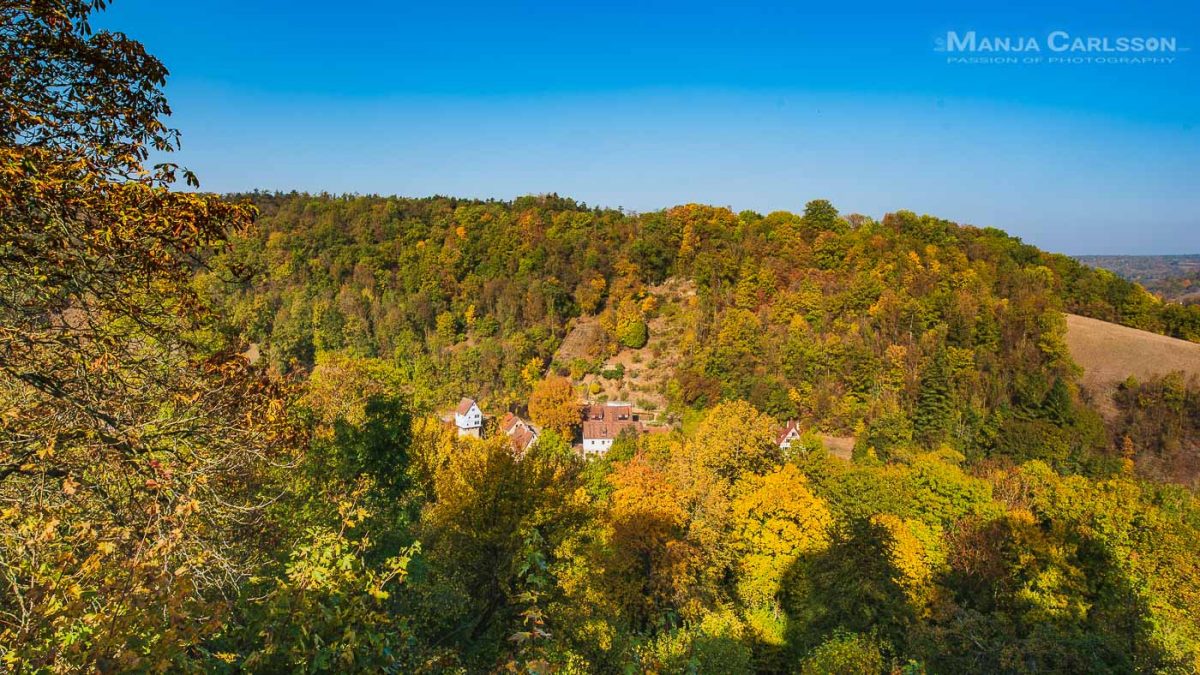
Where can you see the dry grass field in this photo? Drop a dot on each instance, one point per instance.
(1109, 353)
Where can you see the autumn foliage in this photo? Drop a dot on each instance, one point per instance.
(555, 405)
(171, 503)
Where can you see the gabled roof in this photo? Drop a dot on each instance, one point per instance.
(792, 427)
(464, 406)
(520, 434)
(522, 438)
(608, 420)
(510, 423)
(599, 429)
(613, 410)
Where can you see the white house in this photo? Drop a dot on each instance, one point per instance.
(603, 423)
(790, 434)
(468, 418)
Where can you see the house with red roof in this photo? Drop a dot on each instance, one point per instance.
(788, 435)
(521, 434)
(468, 418)
(602, 424)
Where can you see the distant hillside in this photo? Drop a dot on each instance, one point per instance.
(1173, 277)
(908, 331)
(1110, 353)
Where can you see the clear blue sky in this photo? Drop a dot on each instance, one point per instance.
(649, 104)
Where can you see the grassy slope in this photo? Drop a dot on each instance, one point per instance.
(1109, 353)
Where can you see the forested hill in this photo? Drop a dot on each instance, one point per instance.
(910, 330)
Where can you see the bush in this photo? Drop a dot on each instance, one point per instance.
(634, 335)
(614, 373)
(845, 654)
(579, 368)
(715, 644)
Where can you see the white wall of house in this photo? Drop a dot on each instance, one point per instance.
(472, 420)
(596, 446)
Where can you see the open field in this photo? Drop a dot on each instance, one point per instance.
(1109, 353)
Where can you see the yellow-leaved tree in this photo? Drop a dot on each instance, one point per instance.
(776, 519)
(553, 405)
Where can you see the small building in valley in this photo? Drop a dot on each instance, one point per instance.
(520, 433)
(468, 418)
(603, 423)
(788, 435)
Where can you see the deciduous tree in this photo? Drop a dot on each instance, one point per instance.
(553, 404)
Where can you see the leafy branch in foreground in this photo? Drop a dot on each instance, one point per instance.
(131, 438)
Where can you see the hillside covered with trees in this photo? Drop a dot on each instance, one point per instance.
(910, 332)
(1175, 278)
(220, 448)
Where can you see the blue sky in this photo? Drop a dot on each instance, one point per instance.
(645, 105)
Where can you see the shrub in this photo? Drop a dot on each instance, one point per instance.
(845, 653)
(614, 373)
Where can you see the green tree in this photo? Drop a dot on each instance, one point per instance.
(934, 412)
(821, 216)
(330, 611)
(846, 654)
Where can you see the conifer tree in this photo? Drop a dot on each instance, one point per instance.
(934, 412)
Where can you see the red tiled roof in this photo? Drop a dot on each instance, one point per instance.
(522, 438)
(519, 433)
(788, 428)
(608, 411)
(606, 428)
(608, 420)
(464, 406)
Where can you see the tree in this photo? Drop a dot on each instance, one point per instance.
(634, 333)
(736, 350)
(472, 530)
(853, 585)
(340, 386)
(733, 439)
(132, 431)
(715, 643)
(931, 421)
(845, 653)
(776, 519)
(590, 293)
(553, 405)
(330, 611)
(1057, 406)
(821, 216)
(647, 519)
(491, 516)
(631, 330)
